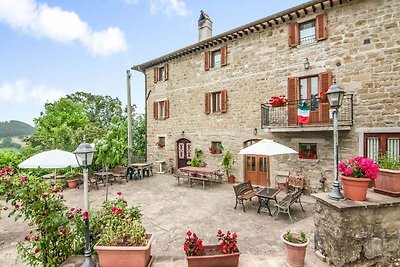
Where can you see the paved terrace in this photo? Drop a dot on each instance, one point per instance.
(171, 210)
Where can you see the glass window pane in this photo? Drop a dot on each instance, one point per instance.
(307, 32)
(161, 74)
(308, 151)
(314, 93)
(393, 147)
(373, 148)
(303, 89)
(253, 164)
(216, 59)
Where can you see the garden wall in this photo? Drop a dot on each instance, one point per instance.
(353, 233)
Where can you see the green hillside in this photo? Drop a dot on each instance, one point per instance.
(15, 128)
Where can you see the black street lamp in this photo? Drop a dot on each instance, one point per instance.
(335, 98)
(84, 156)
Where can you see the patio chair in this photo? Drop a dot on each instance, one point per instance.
(133, 173)
(120, 172)
(295, 190)
(244, 191)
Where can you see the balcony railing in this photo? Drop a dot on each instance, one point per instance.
(286, 116)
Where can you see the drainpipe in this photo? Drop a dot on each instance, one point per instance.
(129, 111)
(146, 96)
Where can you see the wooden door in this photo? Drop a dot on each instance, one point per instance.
(184, 151)
(256, 167)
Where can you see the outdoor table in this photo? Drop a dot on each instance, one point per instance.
(205, 171)
(265, 195)
(103, 176)
(140, 167)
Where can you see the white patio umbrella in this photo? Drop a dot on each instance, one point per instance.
(267, 147)
(52, 159)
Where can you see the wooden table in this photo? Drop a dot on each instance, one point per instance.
(140, 167)
(103, 176)
(265, 195)
(202, 174)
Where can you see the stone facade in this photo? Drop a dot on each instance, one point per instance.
(352, 233)
(362, 51)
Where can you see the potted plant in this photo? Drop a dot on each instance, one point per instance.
(226, 254)
(388, 180)
(72, 181)
(196, 161)
(295, 247)
(356, 174)
(278, 101)
(227, 162)
(122, 239)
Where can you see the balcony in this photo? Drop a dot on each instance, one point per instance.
(284, 118)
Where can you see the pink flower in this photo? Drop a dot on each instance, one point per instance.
(72, 209)
(85, 216)
(16, 206)
(23, 179)
(78, 210)
(36, 250)
(37, 238)
(119, 193)
(71, 216)
(348, 171)
(27, 238)
(63, 231)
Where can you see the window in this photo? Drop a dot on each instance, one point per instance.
(161, 142)
(215, 59)
(309, 91)
(307, 151)
(308, 32)
(376, 144)
(161, 73)
(216, 102)
(215, 148)
(161, 110)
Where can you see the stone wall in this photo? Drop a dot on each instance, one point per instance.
(352, 233)
(258, 67)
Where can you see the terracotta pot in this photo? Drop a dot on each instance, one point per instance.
(388, 182)
(231, 179)
(219, 260)
(355, 188)
(295, 252)
(110, 256)
(72, 183)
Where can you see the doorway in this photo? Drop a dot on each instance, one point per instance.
(256, 167)
(184, 149)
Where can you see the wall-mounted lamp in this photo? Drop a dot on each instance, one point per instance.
(183, 132)
(306, 64)
(255, 131)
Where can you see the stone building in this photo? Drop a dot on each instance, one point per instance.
(217, 90)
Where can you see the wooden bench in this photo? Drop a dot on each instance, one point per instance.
(244, 191)
(191, 179)
(181, 176)
(296, 186)
(120, 172)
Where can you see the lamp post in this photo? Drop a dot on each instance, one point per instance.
(335, 98)
(84, 156)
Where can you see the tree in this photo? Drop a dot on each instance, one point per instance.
(139, 135)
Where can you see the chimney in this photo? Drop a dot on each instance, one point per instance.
(205, 26)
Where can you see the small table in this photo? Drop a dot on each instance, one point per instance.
(160, 162)
(265, 195)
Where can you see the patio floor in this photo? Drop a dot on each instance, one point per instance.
(171, 210)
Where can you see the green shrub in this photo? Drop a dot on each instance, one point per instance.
(389, 163)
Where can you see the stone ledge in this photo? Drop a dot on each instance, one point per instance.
(373, 200)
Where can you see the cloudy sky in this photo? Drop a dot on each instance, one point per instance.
(52, 48)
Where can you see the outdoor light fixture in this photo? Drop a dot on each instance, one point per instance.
(335, 98)
(255, 131)
(183, 132)
(306, 64)
(84, 157)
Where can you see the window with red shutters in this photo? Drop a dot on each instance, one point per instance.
(308, 32)
(216, 58)
(161, 110)
(216, 102)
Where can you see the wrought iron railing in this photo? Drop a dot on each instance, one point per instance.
(286, 116)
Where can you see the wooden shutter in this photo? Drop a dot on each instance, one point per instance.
(325, 81)
(165, 72)
(294, 38)
(155, 110)
(166, 106)
(293, 96)
(321, 27)
(207, 60)
(224, 101)
(207, 102)
(224, 56)
(155, 75)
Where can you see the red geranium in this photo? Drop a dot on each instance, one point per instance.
(193, 245)
(228, 242)
(278, 101)
(359, 167)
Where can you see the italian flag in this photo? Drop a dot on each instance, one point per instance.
(303, 112)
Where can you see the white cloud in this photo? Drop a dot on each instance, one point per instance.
(130, 2)
(40, 20)
(169, 7)
(21, 91)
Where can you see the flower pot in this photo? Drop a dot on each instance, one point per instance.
(355, 188)
(123, 256)
(231, 179)
(213, 257)
(295, 252)
(72, 183)
(388, 182)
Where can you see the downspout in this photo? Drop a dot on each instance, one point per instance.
(146, 96)
(129, 111)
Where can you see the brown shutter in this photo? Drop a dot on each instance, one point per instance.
(325, 81)
(166, 106)
(224, 56)
(294, 38)
(321, 27)
(155, 110)
(224, 101)
(293, 96)
(207, 103)
(207, 60)
(165, 72)
(155, 75)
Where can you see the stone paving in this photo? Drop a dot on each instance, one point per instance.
(171, 210)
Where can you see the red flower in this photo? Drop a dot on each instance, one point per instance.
(71, 216)
(119, 212)
(189, 233)
(63, 231)
(119, 193)
(72, 209)
(27, 238)
(78, 210)
(124, 201)
(113, 209)
(37, 238)
(36, 250)
(23, 179)
(85, 216)
(16, 206)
